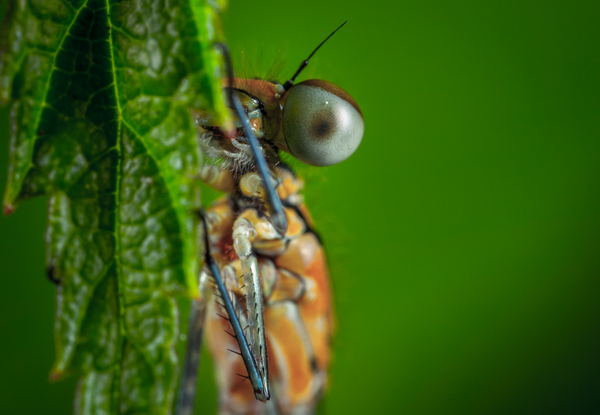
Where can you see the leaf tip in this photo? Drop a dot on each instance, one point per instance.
(56, 375)
(8, 208)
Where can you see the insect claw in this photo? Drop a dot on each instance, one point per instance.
(279, 221)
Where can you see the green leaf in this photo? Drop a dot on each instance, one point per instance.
(101, 93)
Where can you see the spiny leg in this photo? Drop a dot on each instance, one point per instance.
(187, 389)
(260, 390)
(242, 231)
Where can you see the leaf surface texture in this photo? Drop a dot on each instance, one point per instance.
(101, 92)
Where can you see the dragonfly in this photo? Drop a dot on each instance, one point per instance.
(265, 303)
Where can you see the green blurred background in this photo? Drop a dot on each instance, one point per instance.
(463, 236)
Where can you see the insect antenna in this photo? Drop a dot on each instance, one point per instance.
(288, 84)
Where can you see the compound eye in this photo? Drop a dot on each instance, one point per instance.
(322, 124)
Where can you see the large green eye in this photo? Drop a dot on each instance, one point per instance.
(322, 124)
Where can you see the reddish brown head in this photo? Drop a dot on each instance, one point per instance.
(315, 121)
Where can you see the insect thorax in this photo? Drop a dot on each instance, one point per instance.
(234, 153)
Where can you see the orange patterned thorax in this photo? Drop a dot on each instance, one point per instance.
(296, 298)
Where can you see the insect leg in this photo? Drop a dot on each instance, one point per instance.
(191, 363)
(274, 205)
(242, 231)
(217, 178)
(252, 185)
(260, 390)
